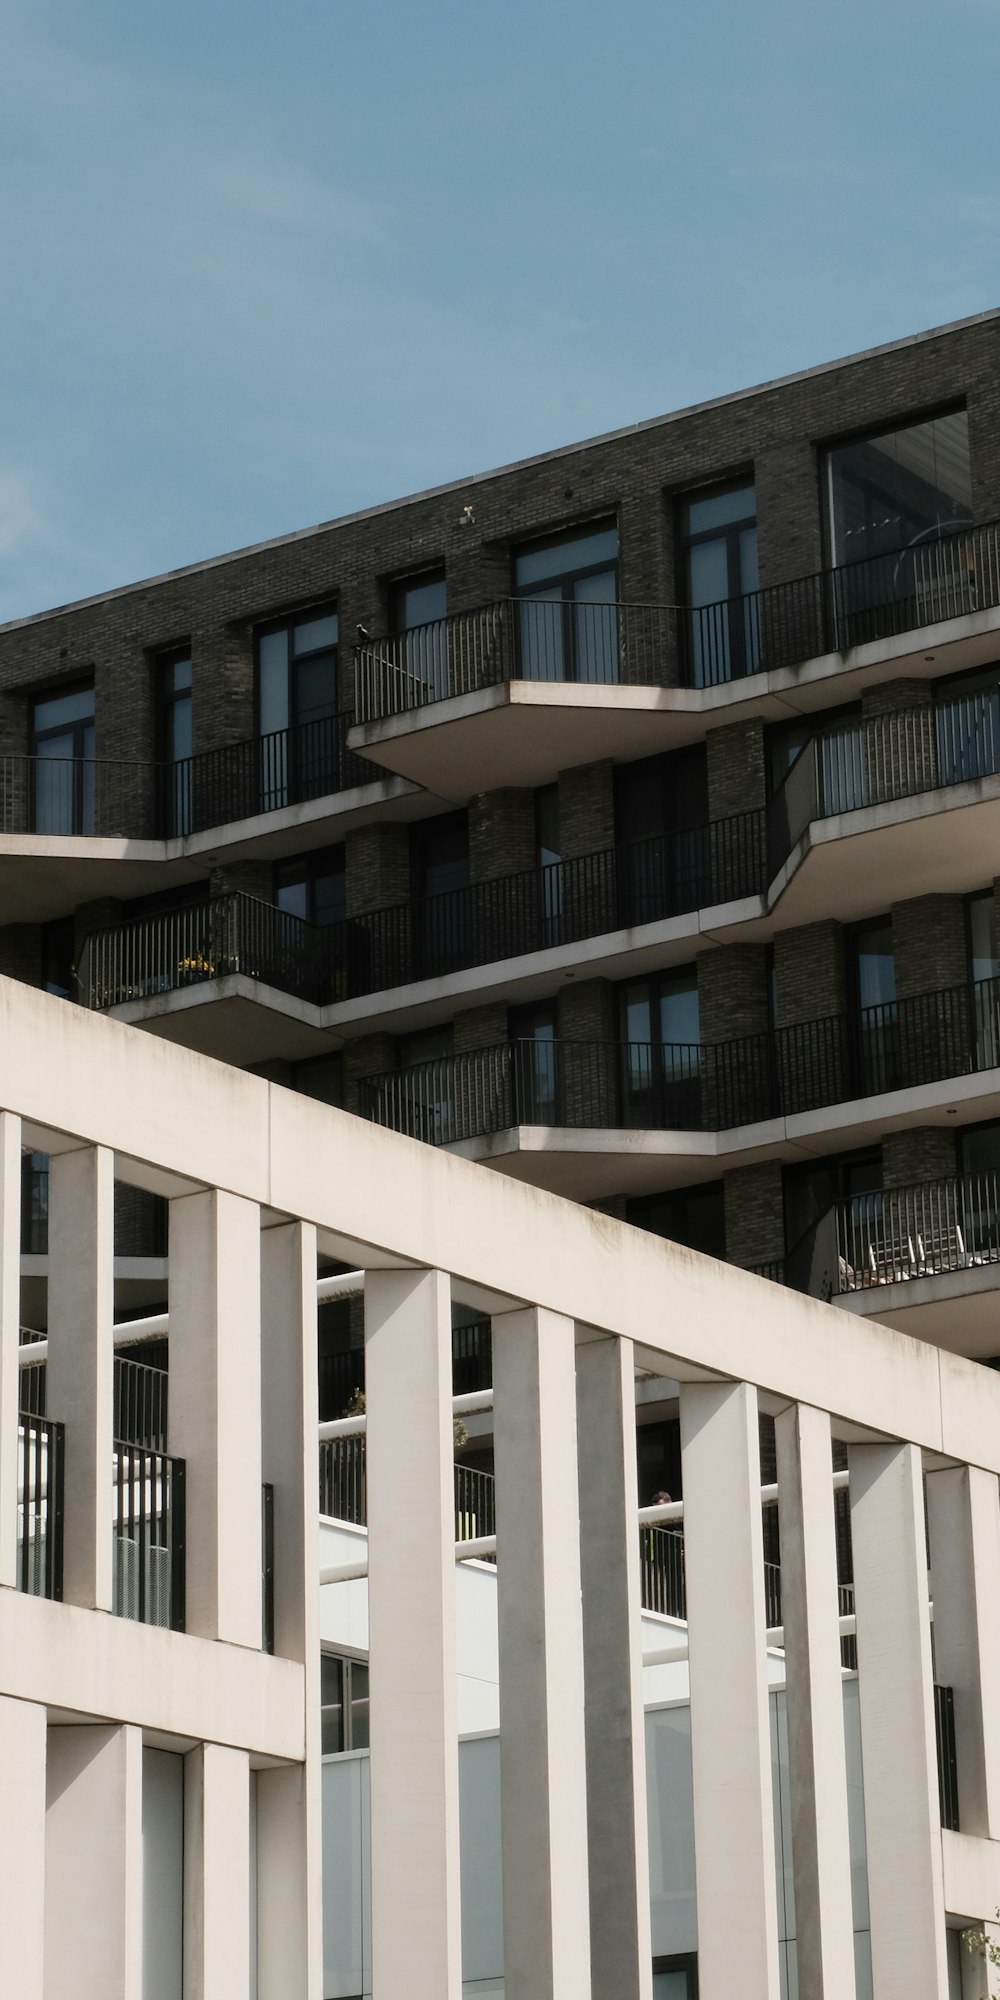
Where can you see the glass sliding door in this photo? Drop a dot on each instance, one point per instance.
(894, 500)
(176, 742)
(718, 532)
(568, 592)
(297, 710)
(62, 746)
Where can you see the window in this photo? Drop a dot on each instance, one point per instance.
(813, 1189)
(311, 886)
(175, 733)
(898, 488)
(568, 625)
(532, 1033)
(983, 969)
(344, 1703)
(426, 1058)
(676, 1978)
(872, 973)
(658, 1459)
(439, 874)
(661, 823)
(297, 709)
(694, 1216)
(62, 745)
(548, 857)
(322, 1077)
(58, 958)
(660, 1029)
(718, 534)
(418, 606)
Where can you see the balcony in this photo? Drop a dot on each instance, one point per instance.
(162, 970)
(691, 1087)
(41, 1451)
(519, 688)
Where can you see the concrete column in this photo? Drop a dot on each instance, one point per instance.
(22, 1848)
(416, 1911)
(543, 1787)
(730, 1725)
(217, 1874)
(80, 1371)
(620, 1943)
(289, 1832)
(821, 1856)
(93, 1864)
(963, 1514)
(215, 1418)
(902, 1815)
(10, 1314)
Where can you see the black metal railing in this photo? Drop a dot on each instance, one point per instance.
(706, 1087)
(655, 645)
(148, 1536)
(261, 775)
(871, 760)
(922, 1230)
(618, 888)
(214, 939)
(41, 1449)
(140, 1403)
(342, 1489)
(947, 1760)
(662, 1585)
(267, 1568)
(472, 1357)
(79, 796)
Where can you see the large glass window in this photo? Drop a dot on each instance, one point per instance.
(718, 533)
(62, 745)
(568, 626)
(661, 824)
(660, 1032)
(872, 968)
(532, 1033)
(439, 870)
(312, 886)
(898, 488)
(694, 1216)
(419, 606)
(176, 740)
(297, 708)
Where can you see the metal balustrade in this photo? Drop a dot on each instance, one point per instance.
(262, 774)
(148, 1536)
(947, 1757)
(214, 939)
(707, 1087)
(81, 797)
(41, 1449)
(866, 761)
(140, 1403)
(918, 1231)
(651, 645)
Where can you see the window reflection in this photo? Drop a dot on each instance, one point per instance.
(568, 622)
(719, 552)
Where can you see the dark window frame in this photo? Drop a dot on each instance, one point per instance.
(303, 614)
(177, 789)
(563, 580)
(685, 1961)
(78, 758)
(739, 654)
(314, 863)
(349, 1700)
(397, 586)
(864, 434)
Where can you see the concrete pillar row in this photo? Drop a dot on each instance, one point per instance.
(415, 1894)
(620, 1941)
(80, 1367)
(735, 1886)
(821, 1857)
(215, 1407)
(899, 1759)
(10, 1300)
(543, 1781)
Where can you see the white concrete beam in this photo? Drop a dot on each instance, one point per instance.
(80, 1370)
(617, 1836)
(216, 1874)
(416, 1908)
(543, 1791)
(730, 1725)
(10, 1295)
(215, 1408)
(93, 1864)
(963, 1518)
(815, 1706)
(22, 1848)
(902, 1814)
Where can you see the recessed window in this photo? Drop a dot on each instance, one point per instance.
(419, 600)
(312, 886)
(343, 1703)
(174, 678)
(718, 535)
(898, 488)
(660, 1032)
(693, 1216)
(675, 1978)
(297, 708)
(535, 1063)
(58, 958)
(568, 618)
(418, 606)
(62, 746)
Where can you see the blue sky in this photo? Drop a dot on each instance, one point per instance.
(262, 264)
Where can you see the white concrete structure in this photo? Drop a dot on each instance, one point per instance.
(171, 1778)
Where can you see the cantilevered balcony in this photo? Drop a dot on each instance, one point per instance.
(691, 1087)
(517, 689)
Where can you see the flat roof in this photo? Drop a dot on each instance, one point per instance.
(499, 471)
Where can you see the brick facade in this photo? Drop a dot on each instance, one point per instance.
(737, 769)
(501, 833)
(922, 1153)
(586, 810)
(755, 1226)
(376, 867)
